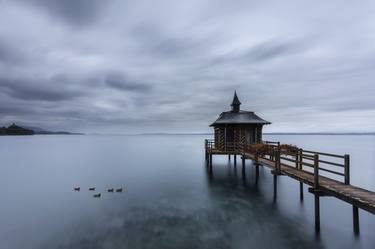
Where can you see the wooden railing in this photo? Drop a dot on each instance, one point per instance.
(229, 147)
(317, 163)
(209, 145)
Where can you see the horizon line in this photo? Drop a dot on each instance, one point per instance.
(211, 133)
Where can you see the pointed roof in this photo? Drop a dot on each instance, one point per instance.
(235, 101)
(237, 116)
(241, 117)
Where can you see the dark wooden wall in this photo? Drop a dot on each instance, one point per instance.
(226, 134)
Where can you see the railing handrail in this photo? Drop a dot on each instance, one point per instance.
(300, 158)
(324, 154)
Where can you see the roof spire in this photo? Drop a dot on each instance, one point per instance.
(235, 103)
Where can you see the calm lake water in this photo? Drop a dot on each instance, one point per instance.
(170, 201)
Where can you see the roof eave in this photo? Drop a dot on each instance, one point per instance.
(260, 123)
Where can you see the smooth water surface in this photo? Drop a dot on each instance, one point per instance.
(170, 201)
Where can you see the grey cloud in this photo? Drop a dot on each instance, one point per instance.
(9, 108)
(76, 12)
(137, 66)
(9, 54)
(167, 45)
(269, 50)
(260, 53)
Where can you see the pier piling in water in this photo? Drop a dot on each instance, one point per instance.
(274, 187)
(317, 212)
(355, 220)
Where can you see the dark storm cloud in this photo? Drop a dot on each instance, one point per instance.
(27, 89)
(76, 12)
(121, 82)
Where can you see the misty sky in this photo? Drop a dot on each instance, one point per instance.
(172, 66)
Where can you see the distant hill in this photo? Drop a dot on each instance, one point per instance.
(15, 130)
(28, 130)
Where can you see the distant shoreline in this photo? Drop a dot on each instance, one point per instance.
(272, 133)
(321, 133)
(16, 130)
(59, 133)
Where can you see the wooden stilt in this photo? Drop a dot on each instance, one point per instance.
(317, 213)
(210, 162)
(244, 180)
(256, 173)
(243, 162)
(301, 191)
(229, 157)
(274, 187)
(355, 220)
(235, 159)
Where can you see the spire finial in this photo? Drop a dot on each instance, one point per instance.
(235, 103)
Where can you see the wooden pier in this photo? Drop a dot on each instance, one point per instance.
(325, 174)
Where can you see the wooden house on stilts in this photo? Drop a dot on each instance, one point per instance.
(237, 127)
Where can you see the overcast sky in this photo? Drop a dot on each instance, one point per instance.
(172, 66)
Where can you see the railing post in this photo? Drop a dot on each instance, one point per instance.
(278, 158)
(347, 169)
(299, 163)
(297, 160)
(275, 158)
(316, 171)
